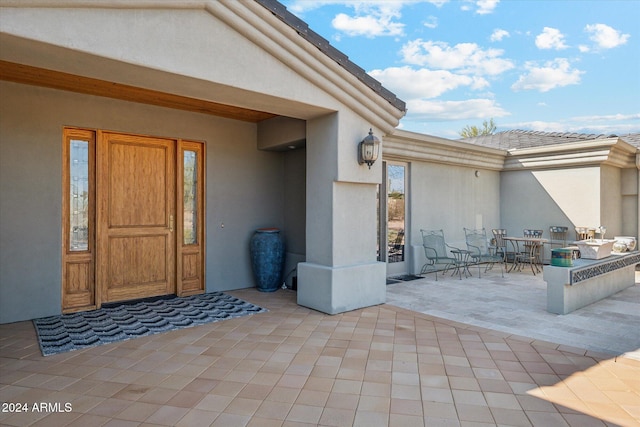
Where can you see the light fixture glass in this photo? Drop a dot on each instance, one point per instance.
(369, 149)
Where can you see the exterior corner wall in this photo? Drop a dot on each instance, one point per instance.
(450, 198)
(295, 206)
(340, 272)
(630, 183)
(539, 199)
(30, 206)
(611, 200)
(245, 189)
(280, 132)
(334, 290)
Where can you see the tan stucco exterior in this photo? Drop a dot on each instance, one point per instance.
(296, 170)
(236, 53)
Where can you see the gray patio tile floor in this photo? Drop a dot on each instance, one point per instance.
(516, 304)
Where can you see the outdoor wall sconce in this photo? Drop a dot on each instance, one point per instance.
(368, 149)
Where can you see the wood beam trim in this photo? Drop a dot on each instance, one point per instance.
(26, 74)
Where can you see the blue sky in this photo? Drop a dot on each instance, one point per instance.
(555, 66)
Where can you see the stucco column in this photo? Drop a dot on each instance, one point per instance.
(341, 272)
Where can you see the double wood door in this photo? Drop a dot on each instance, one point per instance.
(144, 227)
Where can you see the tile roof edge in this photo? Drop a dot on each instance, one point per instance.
(301, 27)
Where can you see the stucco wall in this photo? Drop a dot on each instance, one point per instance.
(294, 210)
(630, 207)
(244, 188)
(539, 199)
(611, 201)
(450, 198)
(542, 198)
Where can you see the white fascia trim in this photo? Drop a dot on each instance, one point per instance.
(610, 151)
(283, 42)
(262, 27)
(407, 146)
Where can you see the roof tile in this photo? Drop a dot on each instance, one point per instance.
(517, 139)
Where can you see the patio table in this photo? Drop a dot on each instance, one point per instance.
(533, 243)
(462, 262)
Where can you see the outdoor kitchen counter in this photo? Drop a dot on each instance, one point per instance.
(588, 281)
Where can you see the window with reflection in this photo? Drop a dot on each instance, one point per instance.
(395, 212)
(79, 195)
(190, 197)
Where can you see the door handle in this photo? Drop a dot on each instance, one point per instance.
(171, 223)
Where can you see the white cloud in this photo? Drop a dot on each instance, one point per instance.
(299, 7)
(552, 74)
(368, 26)
(371, 19)
(611, 124)
(409, 83)
(467, 58)
(608, 118)
(431, 22)
(486, 6)
(550, 38)
(434, 111)
(482, 7)
(606, 37)
(498, 34)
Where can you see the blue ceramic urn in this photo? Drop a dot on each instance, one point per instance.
(267, 258)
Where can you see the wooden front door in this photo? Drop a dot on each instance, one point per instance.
(135, 217)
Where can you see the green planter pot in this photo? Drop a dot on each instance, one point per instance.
(562, 257)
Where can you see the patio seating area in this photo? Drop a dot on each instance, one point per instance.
(517, 305)
(379, 366)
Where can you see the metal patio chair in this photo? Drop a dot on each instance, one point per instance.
(585, 233)
(558, 236)
(532, 253)
(481, 252)
(396, 249)
(436, 251)
(501, 245)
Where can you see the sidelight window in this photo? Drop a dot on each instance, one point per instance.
(190, 197)
(79, 195)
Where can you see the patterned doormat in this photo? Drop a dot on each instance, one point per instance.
(139, 318)
(402, 278)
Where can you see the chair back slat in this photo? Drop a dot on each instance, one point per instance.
(434, 239)
(477, 241)
(535, 234)
(499, 234)
(481, 251)
(585, 233)
(435, 250)
(558, 234)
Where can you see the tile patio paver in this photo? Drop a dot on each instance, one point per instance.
(379, 366)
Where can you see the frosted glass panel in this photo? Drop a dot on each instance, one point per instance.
(190, 202)
(79, 198)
